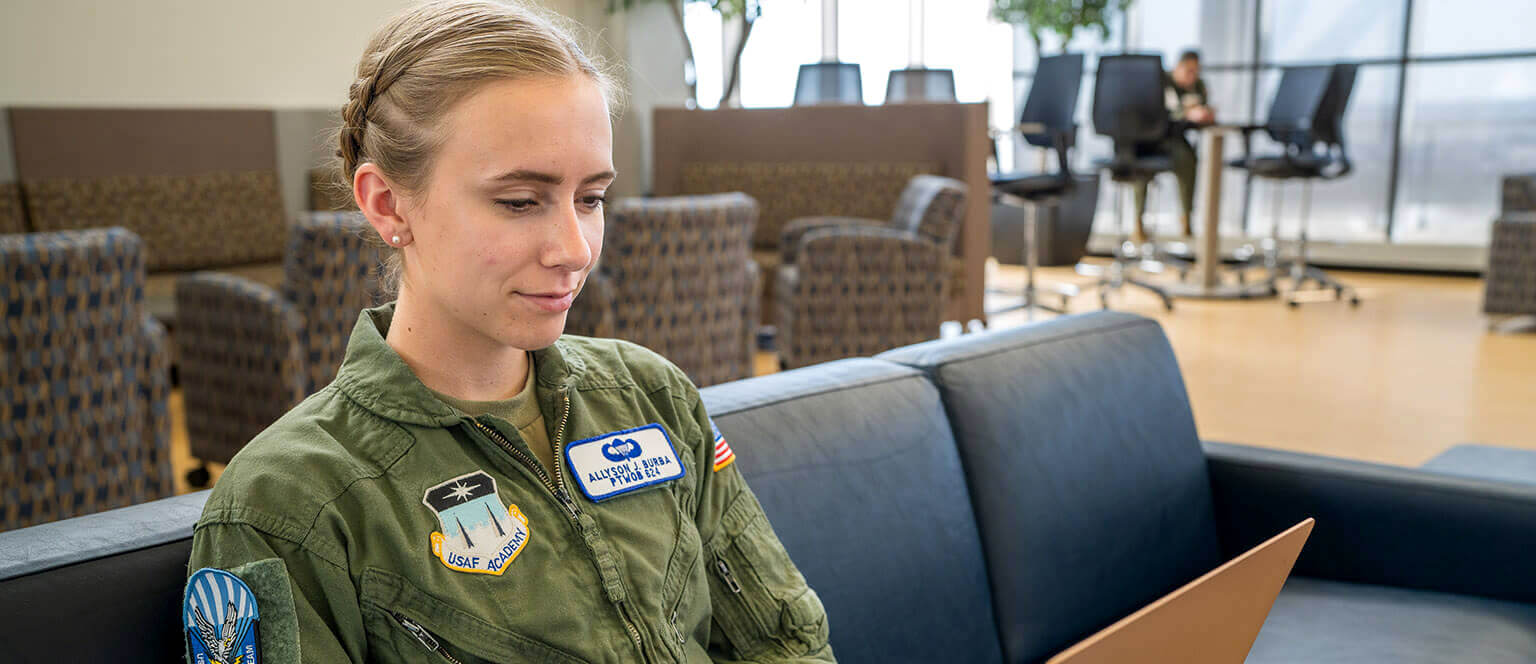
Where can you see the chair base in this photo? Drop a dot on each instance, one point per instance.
(1302, 273)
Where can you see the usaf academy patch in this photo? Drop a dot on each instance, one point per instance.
(623, 461)
(478, 533)
(220, 619)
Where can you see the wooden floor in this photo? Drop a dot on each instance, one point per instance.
(1409, 373)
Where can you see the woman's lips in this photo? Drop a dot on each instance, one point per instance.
(551, 302)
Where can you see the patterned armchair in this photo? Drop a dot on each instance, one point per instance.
(850, 287)
(677, 276)
(84, 426)
(1511, 277)
(248, 352)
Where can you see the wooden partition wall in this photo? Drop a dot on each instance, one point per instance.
(950, 137)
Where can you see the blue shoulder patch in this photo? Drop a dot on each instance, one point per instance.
(220, 618)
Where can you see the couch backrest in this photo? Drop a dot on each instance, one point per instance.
(98, 588)
(788, 191)
(13, 218)
(1085, 469)
(199, 185)
(856, 468)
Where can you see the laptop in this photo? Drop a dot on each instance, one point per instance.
(1211, 620)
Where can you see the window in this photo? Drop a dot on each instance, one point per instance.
(1452, 27)
(1329, 30)
(1465, 124)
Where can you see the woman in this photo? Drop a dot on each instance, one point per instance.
(473, 486)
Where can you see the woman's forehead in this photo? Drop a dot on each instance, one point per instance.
(542, 123)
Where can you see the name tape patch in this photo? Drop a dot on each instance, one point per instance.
(478, 534)
(623, 461)
(220, 618)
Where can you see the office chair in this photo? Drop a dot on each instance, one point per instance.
(1128, 108)
(920, 85)
(1047, 121)
(829, 83)
(1307, 120)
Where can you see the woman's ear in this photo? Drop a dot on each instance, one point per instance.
(379, 201)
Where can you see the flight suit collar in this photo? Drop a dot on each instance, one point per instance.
(374, 375)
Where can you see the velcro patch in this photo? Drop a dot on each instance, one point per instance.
(617, 463)
(220, 619)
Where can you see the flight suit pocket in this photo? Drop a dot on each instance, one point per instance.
(761, 602)
(405, 624)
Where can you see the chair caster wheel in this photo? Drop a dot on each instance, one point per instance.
(198, 477)
(1292, 304)
(1354, 301)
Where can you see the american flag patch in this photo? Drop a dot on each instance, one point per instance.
(723, 454)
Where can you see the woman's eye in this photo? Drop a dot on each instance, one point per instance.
(517, 204)
(594, 202)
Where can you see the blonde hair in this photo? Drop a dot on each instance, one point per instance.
(427, 59)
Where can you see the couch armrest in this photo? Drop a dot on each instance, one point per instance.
(795, 230)
(1378, 524)
(591, 314)
(242, 365)
(155, 395)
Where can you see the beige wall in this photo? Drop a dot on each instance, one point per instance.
(220, 53)
(295, 55)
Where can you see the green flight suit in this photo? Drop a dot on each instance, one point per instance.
(334, 496)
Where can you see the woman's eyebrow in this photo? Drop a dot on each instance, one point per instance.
(526, 175)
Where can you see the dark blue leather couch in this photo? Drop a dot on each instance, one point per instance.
(988, 499)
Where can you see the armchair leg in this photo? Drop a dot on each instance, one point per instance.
(198, 477)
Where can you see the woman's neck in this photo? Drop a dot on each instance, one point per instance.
(451, 359)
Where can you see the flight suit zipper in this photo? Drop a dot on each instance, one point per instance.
(557, 487)
(723, 570)
(430, 642)
(534, 466)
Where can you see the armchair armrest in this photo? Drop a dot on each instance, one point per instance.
(751, 314)
(1380, 524)
(155, 394)
(591, 314)
(242, 363)
(796, 229)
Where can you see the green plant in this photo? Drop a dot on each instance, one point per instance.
(744, 12)
(1063, 17)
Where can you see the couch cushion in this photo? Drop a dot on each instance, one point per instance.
(856, 468)
(1329, 622)
(1486, 462)
(1088, 479)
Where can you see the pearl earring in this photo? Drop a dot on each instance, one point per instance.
(395, 240)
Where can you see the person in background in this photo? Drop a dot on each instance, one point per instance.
(1187, 102)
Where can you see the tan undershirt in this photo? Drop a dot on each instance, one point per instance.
(521, 410)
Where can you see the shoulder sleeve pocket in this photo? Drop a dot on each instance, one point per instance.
(761, 603)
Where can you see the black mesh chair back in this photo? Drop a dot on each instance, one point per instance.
(823, 83)
(1128, 101)
(919, 85)
(1294, 113)
(1330, 115)
(1052, 99)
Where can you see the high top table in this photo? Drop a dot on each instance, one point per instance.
(1208, 283)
